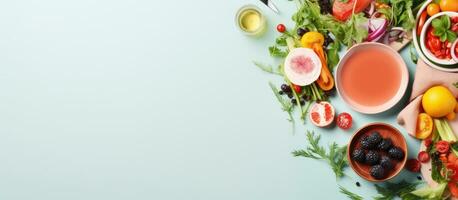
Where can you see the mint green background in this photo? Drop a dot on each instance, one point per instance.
(153, 99)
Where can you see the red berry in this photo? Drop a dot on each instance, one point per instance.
(423, 156)
(281, 28)
(344, 120)
(428, 142)
(442, 146)
(413, 165)
(297, 89)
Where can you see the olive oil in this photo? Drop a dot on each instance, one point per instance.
(250, 20)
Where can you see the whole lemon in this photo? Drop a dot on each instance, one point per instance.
(438, 101)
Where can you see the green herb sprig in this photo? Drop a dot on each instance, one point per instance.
(285, 105)
(335, 156)
(402, 189)
(442, 30)
(350, 194)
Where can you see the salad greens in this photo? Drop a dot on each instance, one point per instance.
(402, 189)
(401, 14)
(335, 156)
(442, 29)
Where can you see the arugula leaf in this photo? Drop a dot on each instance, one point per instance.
(285, 105)
(349, 194)
(455, 84)
(277, 52)
(335, 157)
(392, 190)
(268, 68)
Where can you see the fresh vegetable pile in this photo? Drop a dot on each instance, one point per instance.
(309, 50)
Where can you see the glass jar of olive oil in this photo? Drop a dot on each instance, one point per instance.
(250, 20)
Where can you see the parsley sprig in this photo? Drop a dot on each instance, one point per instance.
(335, 156)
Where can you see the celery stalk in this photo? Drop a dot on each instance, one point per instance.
(444, 130)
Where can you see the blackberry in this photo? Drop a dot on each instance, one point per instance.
(301, 32)
(374, 138)
(359, 155)
(396, 153)
(385, 144)
(386, 163)
(372, 157)
(285, 88)
(365, 144)
(377, 172)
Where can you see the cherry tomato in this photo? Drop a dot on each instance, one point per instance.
(344, 120)
(449, 5)
(297, 89)
(442, 146)
(423, 156)
(413, 165)
(428, 142)
(281, 28)
(421, 22)
(433, 9)
(453, 188)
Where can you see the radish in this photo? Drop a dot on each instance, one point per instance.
(302, 66)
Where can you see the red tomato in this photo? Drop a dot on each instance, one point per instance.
(413, 165)
(342, 11)
(421, 22)
(281, 28)
(423, 156)
(453, 171)
(297, 88)
(344, 120)
(435, 44)
(428, 142)
(453, 188)
(442, 146)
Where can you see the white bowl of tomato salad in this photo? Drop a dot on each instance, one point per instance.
(436, 49)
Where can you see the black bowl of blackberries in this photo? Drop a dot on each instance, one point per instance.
(377, 152)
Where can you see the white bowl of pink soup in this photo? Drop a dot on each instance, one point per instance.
(371, 77)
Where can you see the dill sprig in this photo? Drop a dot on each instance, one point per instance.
(350, 194)
(335, 156)
(268, 68)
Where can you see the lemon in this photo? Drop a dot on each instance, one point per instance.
(438, 101)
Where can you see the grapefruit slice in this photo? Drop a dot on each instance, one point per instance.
(322, 114)
(302, 66)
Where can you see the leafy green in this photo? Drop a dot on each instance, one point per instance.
(442, 29)
(401, 12)
(275, 51)
(436, 168)
(268, 68)
(350, 194)
(335, 156)
(285, 104)
(333, 54)
(455, 84)
(355, 29)
(430, 193)
(392, 190)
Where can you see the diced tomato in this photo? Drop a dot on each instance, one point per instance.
(342, 11)
(453, 171)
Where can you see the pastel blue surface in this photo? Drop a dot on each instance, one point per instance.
(151, 100)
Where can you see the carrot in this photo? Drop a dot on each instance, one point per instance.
(325, 81)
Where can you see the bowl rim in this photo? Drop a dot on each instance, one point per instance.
(426, 51)
(403, 162)
(388, 104)
(452, 50)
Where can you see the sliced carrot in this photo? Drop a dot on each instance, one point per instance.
(325, 81)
